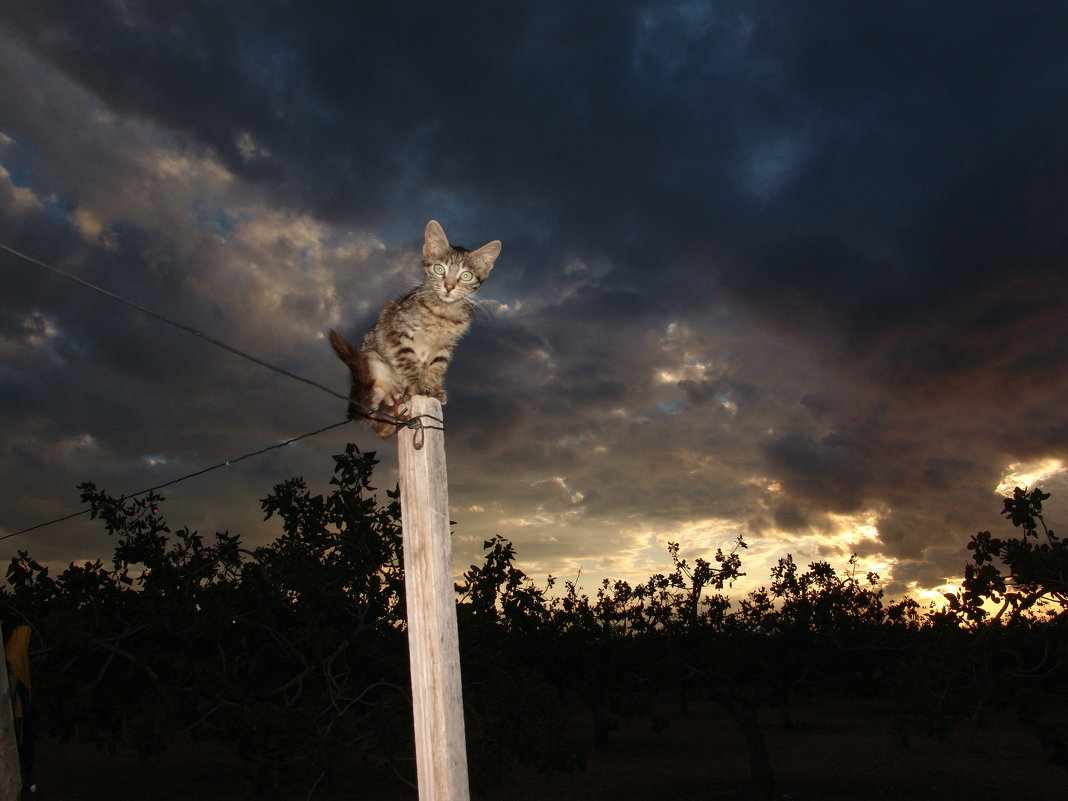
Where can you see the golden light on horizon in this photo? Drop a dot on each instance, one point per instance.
(931, 596)
(1028, 474)
(860, 526)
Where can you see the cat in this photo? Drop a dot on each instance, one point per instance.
(409, 348)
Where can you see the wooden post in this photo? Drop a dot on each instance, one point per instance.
(10, 772)
(433, 644)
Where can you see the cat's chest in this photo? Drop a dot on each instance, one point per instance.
(417, 329)
(428, 342)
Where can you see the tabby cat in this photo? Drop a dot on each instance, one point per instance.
(408, 350)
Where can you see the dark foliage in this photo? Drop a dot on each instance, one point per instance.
(293, 655)
(289, 654)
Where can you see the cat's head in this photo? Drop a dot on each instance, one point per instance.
(455, 273)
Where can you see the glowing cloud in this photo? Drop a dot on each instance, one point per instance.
(1028, 474)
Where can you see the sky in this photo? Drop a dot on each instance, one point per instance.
(791, 271)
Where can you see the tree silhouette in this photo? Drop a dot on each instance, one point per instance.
(293, 655)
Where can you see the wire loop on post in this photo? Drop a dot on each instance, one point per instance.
(420, 427)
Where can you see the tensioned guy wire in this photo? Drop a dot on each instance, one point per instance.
(200, 472)
(162, 318)
(415, 422)
(378, 415)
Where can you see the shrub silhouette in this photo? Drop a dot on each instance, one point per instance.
(293, 654)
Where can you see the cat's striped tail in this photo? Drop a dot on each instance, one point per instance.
(361, 378)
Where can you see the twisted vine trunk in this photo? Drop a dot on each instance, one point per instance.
(744, 712)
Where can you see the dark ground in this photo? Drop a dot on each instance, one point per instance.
(841, 750)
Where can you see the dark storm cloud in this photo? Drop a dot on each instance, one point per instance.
(589, 119)
(873, 114)
(832, 472)
(939, 161)
(764, 263)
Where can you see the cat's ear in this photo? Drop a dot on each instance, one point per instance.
(435, 243)
(485, 256)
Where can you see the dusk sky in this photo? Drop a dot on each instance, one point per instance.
(791, 270)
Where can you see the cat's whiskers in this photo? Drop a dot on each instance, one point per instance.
(477, 304)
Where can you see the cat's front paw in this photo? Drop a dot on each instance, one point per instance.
(435, 392)
(391, 400)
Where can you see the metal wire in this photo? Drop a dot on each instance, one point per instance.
(195, 473)
(415, 422)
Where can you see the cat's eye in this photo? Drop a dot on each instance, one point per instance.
(466, 275)
(439, 269)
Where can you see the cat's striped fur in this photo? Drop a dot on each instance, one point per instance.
(409, 349)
